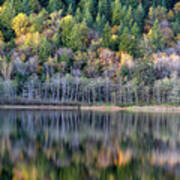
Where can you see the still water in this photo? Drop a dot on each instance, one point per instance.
(75, 145)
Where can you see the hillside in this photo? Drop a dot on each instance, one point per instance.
(90, 51)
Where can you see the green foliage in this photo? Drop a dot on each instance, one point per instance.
(34, 6)
(144, 72)
(37, 21)
(45, 49)
(66, 25)
(6, 15)
(107, 35)
(20, 24)
(135, 30)
(79, 36)
(156, 38)
(127, 41)
(94, 34)
(54, 5)
(100, 22)
(139, 15)
(116, 13)
(104, 9)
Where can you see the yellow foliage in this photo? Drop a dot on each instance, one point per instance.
(170, 14)
(1, 36)
(24, 172)
(20, 24)
(151, 12)
(47, 80)
(23, 57)
(32, 40)
(5, 68)
(67, 19)
(150, 32)
(177, 7)
(1, 41)
(114, 37)
(126, 59)
(178, 37)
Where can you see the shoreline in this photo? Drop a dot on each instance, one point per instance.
(102, 108)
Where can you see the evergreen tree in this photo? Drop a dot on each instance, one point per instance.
(88, 18)
(139, 15)
(135, 30)
(116, 12)
(106, 37)
(79, 36)
(34, 6)
(43, 3)
(100, 22)
(54, 5)
(104, 8)
(45, 49)
(26, 7)
(93, 4)
(128, 19)
(156, 37)
(66, 25)
(6, 16)
(78, 15)
(70, 9)
(17, 5)
(127, 42)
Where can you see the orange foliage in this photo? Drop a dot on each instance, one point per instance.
(108, 58)
(114, 29)
(126, 59)
(147, 28)
(113, 156)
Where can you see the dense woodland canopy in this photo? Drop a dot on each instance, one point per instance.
(120, 51)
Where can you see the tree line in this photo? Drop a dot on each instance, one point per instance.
(90, 51)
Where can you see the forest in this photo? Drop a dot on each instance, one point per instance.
(123, 52)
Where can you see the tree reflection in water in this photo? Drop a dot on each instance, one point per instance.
(88, 145)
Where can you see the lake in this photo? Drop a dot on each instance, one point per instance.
(87, 145)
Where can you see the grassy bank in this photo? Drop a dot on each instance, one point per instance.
(103, 108)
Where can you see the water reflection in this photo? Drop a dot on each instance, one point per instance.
(89, 145)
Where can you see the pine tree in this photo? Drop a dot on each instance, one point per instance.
(128, 19)
(45, 49)
(87, 14)
(54, 5)
(66, 25)
(107, 36)
(116, 12)
(100, 22)
(139, 15)
(135, 30)
(6, 15)
(26, 7)
(127, 42)
(79, 36)
(17, 5)
(70, 9)
(164, 3)
(34, 6)
(88, 18)
(78, 15)
(93, 8)
(104, 8)
(156, 37)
